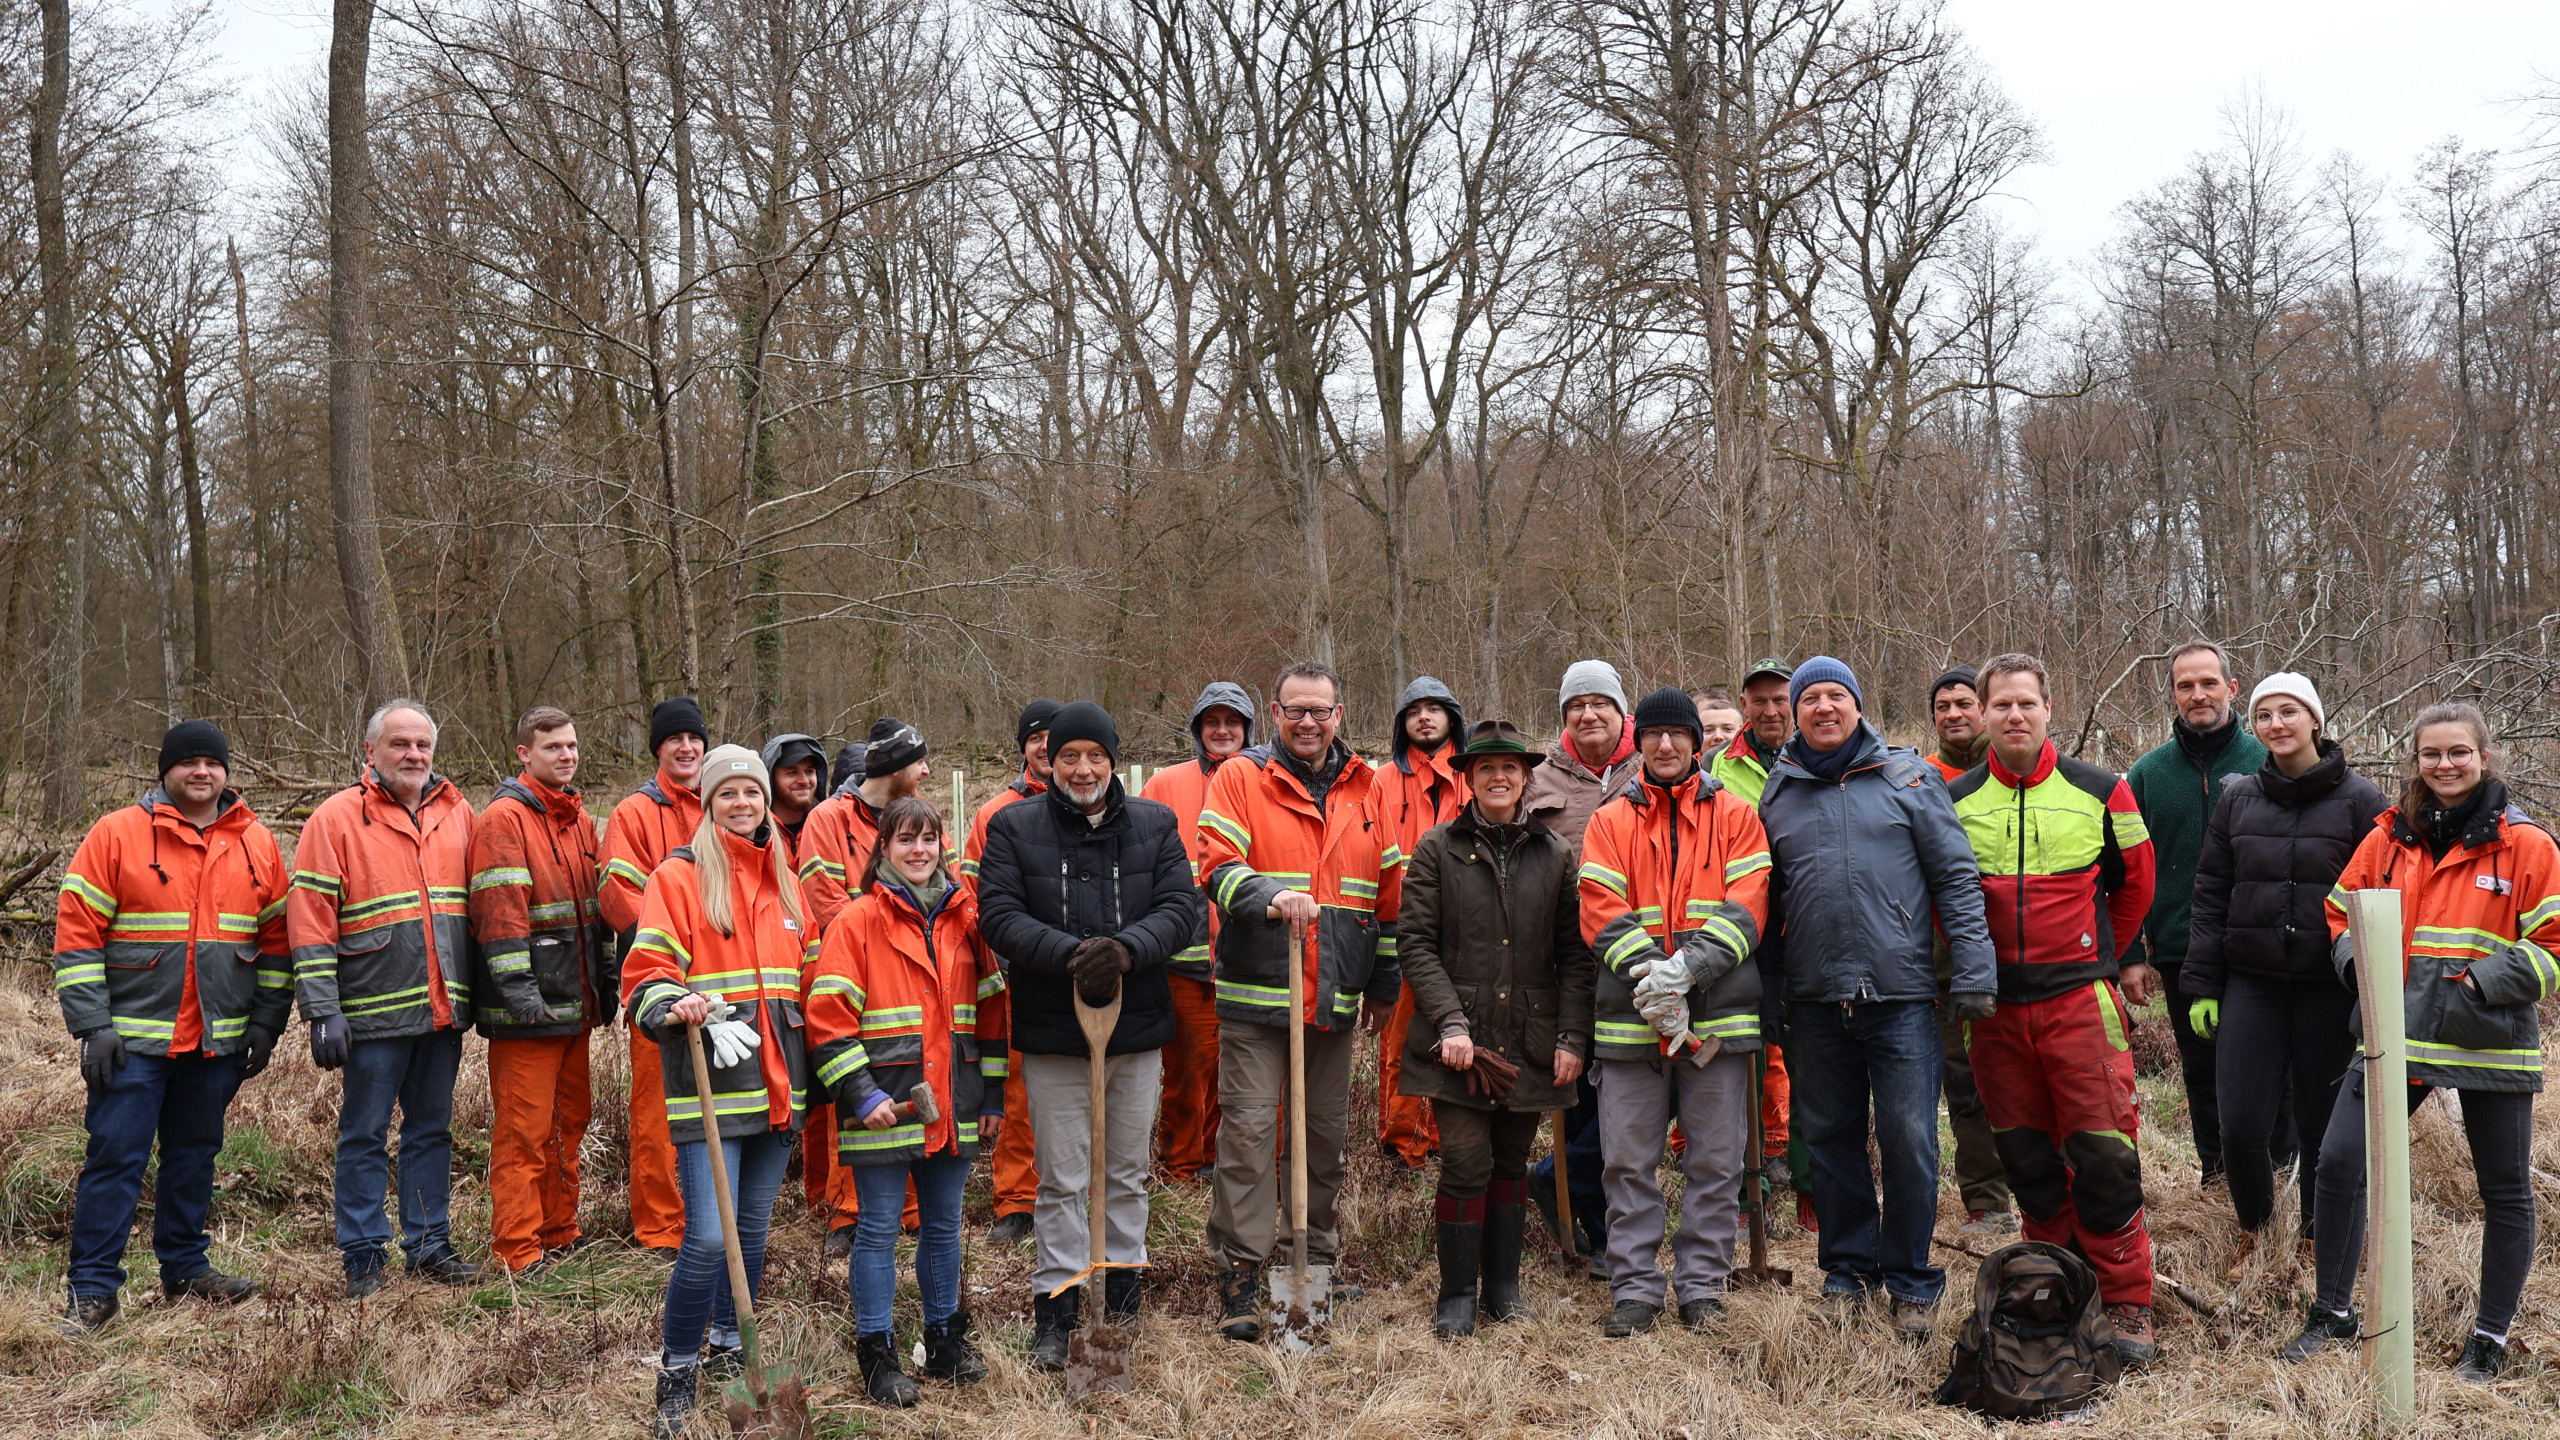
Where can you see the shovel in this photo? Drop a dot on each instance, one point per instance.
(1759, 1271)
(1302, 1294)
(767, 1405)
(1098, 1352)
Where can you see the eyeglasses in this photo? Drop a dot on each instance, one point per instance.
(2459, 755)
(1301, 714)
(1589, 707)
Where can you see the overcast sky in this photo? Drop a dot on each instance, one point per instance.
(2123, 93)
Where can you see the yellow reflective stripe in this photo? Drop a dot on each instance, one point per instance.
(1647, 916)
(1360, 889)
(1625, 948)
(1731, 1027)
(70, 975)
(383, 904)
(2131, 829)
(995, 1067)
(1729, 934)
(663, 943)
(845, 1063)
(1603, 876)
(1268, 997)
(231, 924)
(2422, 1053)
(2110, 1017)
(389, 1000)
(836, 985)
(90, 895)
(145, 1029)
(2546, 971)
(1619, 1032)
(274, 908)
(1736, 869)
(315, 881)
(856, 1138)
(621, 869)
(892, 1017)
(2535, 918)
(990, 983)
(497, 875)
(2460, 940)
(1235, 834)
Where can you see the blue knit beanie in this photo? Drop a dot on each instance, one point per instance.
(1819, 669)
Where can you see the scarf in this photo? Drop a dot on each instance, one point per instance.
(1318, 778)
(1828, 767)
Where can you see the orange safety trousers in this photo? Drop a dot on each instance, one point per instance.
(1405, 1125)
(540, 1106)
(657, 1206)
(1774, 1095)
(1017, 1173)
(1187, 1117)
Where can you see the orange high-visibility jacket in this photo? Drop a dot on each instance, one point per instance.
(535, 915)
(1405, 802)
(2488, 913)
(835, 843)
(1184, 789)
(1662, 866)
(638, 837)
(900, 998)
(174, 936)
(1022, 788)
(1264, 835)
(379, 911)
(758, 969)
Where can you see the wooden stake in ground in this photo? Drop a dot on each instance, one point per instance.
(2390, 1346)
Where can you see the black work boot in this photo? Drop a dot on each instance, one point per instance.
(1122, 1293)
(1053, 1319)
(2483, 1360)
(1628, 1317)
(211, 1285)
(1461, 1246)
(2319, 1332)
(1503, 1224)
(679, 1387)
(88, 1314)
(1239, 1303)
(949, 1353)
(878, 1354)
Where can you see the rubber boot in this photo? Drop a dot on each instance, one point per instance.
(949, 1353)
(889, 1385)
(1503, 1224)
(1461, 1246)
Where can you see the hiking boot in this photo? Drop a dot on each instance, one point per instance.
(1631, 1317)
(1122, 1293)
(1460, 1244)
(1239, 1304)
(88, 1314)
(679, 1387)
(2483, 1360)
(1989, 1222)
(839, 1244)
(878, 1354)
(2321, 1330)
(1011, 1229)
(2134, 1343)
(1914, 1321)
(2239, 1268)
(1504, 1227)
(1053, 1319)
(722, 1363)
(361, 1283)
(1702, 1315)
(445, 1268)
(1842, 1304)
(211, 1285)
(949, 1353)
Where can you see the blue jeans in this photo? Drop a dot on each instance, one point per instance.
(1581, 1165)
(698, 1296)
(1840, 1058)
(882, 1190)
(416, 1073)
(180, 1102)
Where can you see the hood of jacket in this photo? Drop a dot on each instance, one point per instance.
(1213, 695)
(793, 749)
(1426, 687)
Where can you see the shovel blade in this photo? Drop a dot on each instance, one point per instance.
(1098, 1360)
(1301, 1306)
(1764, 1275)
(784, 1415)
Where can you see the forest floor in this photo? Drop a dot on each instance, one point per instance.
(569, 1351)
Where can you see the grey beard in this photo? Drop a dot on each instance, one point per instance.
(1087, 798)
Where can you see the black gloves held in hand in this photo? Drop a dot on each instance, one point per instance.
(529, 1012)
(101, 1056)
(256, 1048)
(1096, 967)
(1972, 1006)
(329, 1042)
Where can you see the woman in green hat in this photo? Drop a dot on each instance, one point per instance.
(1490, 936)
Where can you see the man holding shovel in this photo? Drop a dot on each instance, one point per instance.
(1675, 896)
(1306, 884)
(1085, 893)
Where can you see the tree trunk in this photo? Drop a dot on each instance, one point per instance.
(373, 619)
(252, 458)
(58, 423)
(199, 555)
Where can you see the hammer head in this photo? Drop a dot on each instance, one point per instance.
(927, 1108)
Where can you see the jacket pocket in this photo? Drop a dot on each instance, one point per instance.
(555, 969)
(370, 964)
(141, 955)
(2467, 1022)
(227, 978)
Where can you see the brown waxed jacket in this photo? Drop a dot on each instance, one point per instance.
(1491, 936)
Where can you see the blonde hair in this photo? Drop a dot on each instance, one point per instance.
(711, 866)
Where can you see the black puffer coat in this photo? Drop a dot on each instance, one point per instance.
(1050, 879)
(2274, 847)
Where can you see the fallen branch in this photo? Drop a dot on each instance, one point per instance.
(30, 871)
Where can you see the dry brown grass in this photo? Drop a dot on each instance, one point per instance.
(569, 1353)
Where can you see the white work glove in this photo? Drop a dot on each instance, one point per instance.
(1668, 1014)
(731, 1041)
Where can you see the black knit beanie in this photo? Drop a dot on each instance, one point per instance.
(1669, 708)
(1035, 718)
(193, 740)
(1963, 675)
(894, 745)
(1083, 720)
(678, 716)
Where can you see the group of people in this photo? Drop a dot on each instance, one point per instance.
(1685, 919)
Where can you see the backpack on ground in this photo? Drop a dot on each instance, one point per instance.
(2038, 1342)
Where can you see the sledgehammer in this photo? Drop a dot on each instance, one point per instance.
(919, 1105)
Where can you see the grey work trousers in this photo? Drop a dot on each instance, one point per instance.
(1638, 1101)
(1060, 1090)
(1248, 1206)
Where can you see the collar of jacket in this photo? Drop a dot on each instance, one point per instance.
(2203, 747)
(2326, 774)
(560, 806)
(428, 794)
(915, 907)
(1331, 765)
(1435, 759)
(1866, 750)
(2486, 826)
(1626, 747)
(748, 856)
(1698, 784)
(1470, 821)
(228, 810)
(1026, 787)
(1971, 755)
(663, 788)
(2046, 759)
(1115, 802)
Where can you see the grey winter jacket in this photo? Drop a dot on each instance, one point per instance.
(1563, 792)
(1859, 867)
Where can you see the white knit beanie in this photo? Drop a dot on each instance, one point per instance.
(1592, 677)
(2285, 682)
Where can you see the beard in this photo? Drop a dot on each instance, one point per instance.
(1087, 796)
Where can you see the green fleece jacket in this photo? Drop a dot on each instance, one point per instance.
(2177, 799)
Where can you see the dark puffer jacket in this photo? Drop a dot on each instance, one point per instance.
(1050, 879)
(1490, 934)
(2275, 846)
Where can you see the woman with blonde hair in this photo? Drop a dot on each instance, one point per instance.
(722, 937)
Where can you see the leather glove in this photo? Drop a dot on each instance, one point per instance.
(1096, 967)
(2205, 1016)
(529, 1011)
(1973, 1006)
(1492, 1077)
(329, 1042)
(101, 1056)
(257, 1047)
